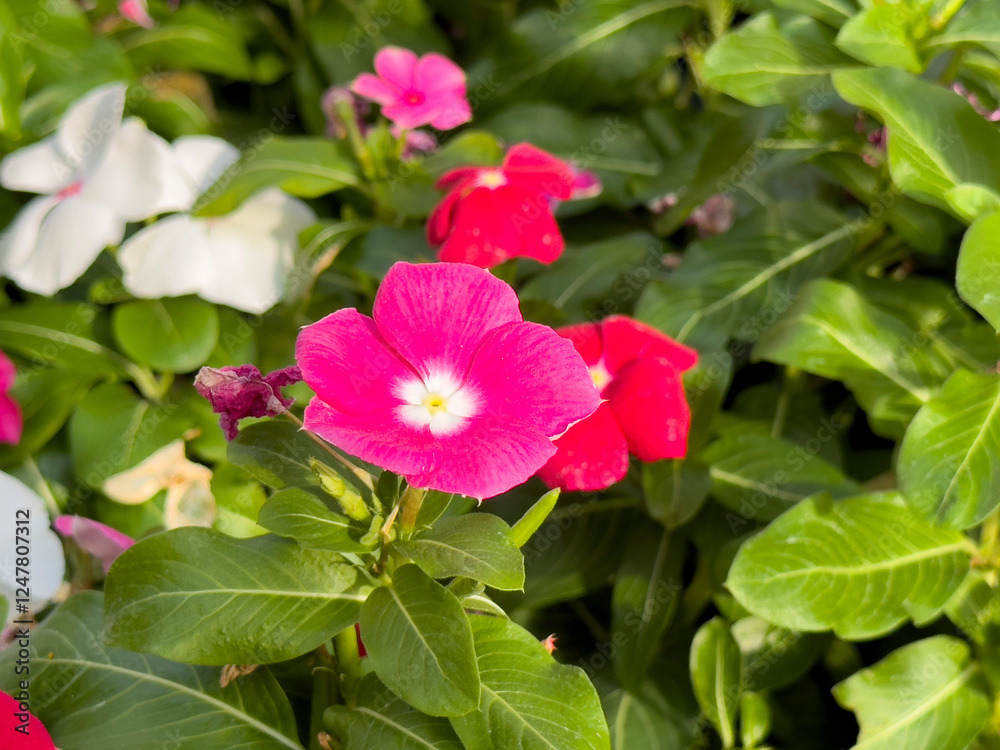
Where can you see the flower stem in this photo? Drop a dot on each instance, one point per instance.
(324, 694)
(345, 643)
(360, 473)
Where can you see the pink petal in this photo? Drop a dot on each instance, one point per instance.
(452, 112)
(647, 398)
(439, 223)
(408, 116)
(378, 436)
(533, 169)
(483, 233)
(372, 87)
(435, 315)
(99, 540)
(436, 74)
(592, 455)
(345, 360)
(7, 373)
(587, 340)
(137, 12)
(396, 65)
(626, 339)
(586, 184)
(36, 738)
(527, 370)
(11, 421)
(489, 457)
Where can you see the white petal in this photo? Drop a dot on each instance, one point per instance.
(71, 237)
(38, 168)
(130, 178)
(146, 478)
(253, 249)
(88, 127)
(19, 239)
(168, 259)
(47, 563)
(203, 159)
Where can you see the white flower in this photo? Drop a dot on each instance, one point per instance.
(240, 259)
(95, 174)
(42, 568)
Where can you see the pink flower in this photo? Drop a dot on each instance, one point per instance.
(446, 384)
(11, 420)
(714, 216)
(494, 213)
(638, 371)
(238, 392)
(136, 11)
(103, 542)
(416, 91)
(36, 737)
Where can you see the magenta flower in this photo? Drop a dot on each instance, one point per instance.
(416, 91)
(447, 385)
(35, 737)
(95, 538)
(11, 420)
(238, 392)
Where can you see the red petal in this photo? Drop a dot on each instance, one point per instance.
(586, 337)
(647, 397)
(591, 455)
(440, 221)
(540, 172)
(36, 738)
(482, 232)
(626, 339)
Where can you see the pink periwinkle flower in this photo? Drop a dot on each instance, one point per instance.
(238, 392)
(136, 11)
(644, 410)
(415, 91)
(11, 420)
(35, 738)
(491, 214)
(445, 384)
(95, 538)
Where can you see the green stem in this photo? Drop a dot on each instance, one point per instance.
(409, 504)
(345, 113)
(345, 644)
(324, 694)
(360, 473)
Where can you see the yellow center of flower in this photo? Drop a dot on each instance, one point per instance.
(435, 403)
(600, 375)
(492, 179)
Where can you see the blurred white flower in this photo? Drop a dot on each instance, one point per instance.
(44, 549)
(95, 174)
(240, 259)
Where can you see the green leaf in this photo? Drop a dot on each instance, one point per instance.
(534, 517)
(675, 490)
(755, 719)
(529, 700)
(927, 695)
(300, 165)
(198, 596)
(420, 644)
(860, 566)
(947, 458)
(645, 597)
(300, 515)
(762, 63)
(976, 23)
(276, 452)
(478, 546)
(774, 657)
(761, 476)
(649, 720)
(884, 35)
(936, 139)
(384, 721)
(977, 277)
(975, 609)
(833, 12)
(77, 683)
(971, 201)
(11, 86)
(176, 334)
(831, 330)
(716, 666)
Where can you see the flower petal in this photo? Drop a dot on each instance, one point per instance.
(198, 161)
(90, 125)
(540, 235)
(38, 168)
(8, 373)
(488, 457)
(149, 476)
(592, 455)
(626, 339)
(36, 737)
(436, 314)
(348, 364)
(587, 340)
(532, 169)
(11, 420)
(18, 241)
(70, 238)
(408, 116)
(483, 233)
(379, 91)
(452, 113)
(435, 74)
(167, 259)
(647, 397)
(528, 371)
(454, 178)
(396, 65)
(439, 223)
(97, 539)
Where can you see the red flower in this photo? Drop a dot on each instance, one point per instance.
(638, 371)
(11, 421)
(19, 729)
(494, 213)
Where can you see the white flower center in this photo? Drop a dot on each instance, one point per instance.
(438, 402)
(491, 179)
(600, 375)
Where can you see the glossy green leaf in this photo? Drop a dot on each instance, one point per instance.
(975, 610)
(861, 566)
(755, 719)
(675, 490)
(176, 334)
(302, 516)
(978, 274)
(276, 452)
(774, 657)
(883, 35)
(971, 201)
(420, 644)
(198, 596)
(478, 546)
(534, 517)
(529, 700)
(77, 683)
(927, 695)
(716, 667)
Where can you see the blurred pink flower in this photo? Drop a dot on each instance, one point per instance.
(136, 11)
(446, 384)
(11, 420)
(428, 90)
(714, 216)
(993, 115)
(238, 392)
(95, 538)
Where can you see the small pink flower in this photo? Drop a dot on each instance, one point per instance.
(136, 11)
(238, 392)
(36, 737)
(645, 413)
(714, 216)
(993, 115)
(416, 91)
(491, 214)
(11, 420)
(446, 384)
(103, 542)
